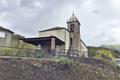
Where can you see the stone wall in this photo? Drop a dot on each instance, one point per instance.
(55, 69)
(6, 39)
(61, 34)
(84, 49)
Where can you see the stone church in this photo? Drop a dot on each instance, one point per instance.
(61, 39)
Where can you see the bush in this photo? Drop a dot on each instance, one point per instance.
(8, 52)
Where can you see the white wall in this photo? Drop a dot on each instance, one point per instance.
(57, 33)
(84, 49)
(5, 38)
(67, 40)
(61, 34)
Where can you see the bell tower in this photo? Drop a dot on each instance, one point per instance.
(73, 25)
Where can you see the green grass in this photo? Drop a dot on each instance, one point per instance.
(21, 52)
(102, 53)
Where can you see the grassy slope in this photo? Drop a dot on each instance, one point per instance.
(103, 52)
(112, 47)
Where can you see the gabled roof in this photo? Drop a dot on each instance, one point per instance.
(2, 28)
(54, 28)
(83, 42)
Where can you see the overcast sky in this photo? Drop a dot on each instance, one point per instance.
(100, 19)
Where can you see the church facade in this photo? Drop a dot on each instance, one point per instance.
(61, 39)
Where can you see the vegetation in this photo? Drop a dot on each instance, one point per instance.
(67, 63)
(103, 53)
(118, 70)
(60, 68)
(20, 49)
(114, 48)
(18, 43)
(21, 52)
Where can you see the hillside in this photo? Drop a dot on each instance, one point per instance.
(56, 69)
(103, 52)
(112, 47)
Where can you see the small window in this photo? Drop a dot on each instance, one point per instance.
(2, 34)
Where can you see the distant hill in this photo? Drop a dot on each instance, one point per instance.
(112, 47)
(104, 51)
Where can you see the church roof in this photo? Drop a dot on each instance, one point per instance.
(54, 28)
(42, 40)
(83, 42)
(2, 28)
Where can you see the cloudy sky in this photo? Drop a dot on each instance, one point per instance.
(100, 19)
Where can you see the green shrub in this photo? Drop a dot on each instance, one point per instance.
(104, 54)
(7, 52)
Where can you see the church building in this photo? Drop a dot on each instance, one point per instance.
(6, 36)
(61, 39)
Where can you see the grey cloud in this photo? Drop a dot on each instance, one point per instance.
(29, 16)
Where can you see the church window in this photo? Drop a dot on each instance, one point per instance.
(71, 41)
(72, 26)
